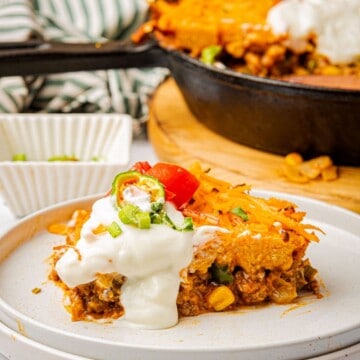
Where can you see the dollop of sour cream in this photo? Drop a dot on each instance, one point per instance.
(151, 259)
(335, 23)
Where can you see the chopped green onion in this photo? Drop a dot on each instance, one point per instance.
(241, 213)
(143, 220)
(188, 224)
(19, 157)
(127, 214)
(157, 207)
(63, 158)
(132, 215)
(156, 218)
(167, 221)
(208, 55)
(114, 229)
(23, 157)
(97, 158)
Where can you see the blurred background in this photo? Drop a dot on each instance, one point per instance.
(119, 91)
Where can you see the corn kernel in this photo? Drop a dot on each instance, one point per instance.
(330, 173)
(58, 229)
(293, 159)
(293, 174)
(330, 70)
(221, 298)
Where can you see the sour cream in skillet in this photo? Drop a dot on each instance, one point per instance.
(336, 24)
(151, 259)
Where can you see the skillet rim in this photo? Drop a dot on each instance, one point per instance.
(234, 77)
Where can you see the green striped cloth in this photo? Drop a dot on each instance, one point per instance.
(121, 91)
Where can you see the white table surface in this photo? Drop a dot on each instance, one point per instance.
(141, 150)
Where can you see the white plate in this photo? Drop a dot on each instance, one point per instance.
(272, 332)
(14, 346)
(7, 218)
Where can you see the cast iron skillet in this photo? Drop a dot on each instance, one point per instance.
(270, 115)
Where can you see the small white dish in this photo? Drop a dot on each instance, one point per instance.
(37, 183)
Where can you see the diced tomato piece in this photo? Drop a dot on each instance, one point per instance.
(176, 180)
(141, 166)
(169, 196)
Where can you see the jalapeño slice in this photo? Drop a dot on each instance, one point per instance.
(144, 182)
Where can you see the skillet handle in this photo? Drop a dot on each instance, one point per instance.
(37, 57)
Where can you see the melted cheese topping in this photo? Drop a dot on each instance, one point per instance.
(336, 25)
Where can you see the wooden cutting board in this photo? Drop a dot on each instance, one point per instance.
(178, 137)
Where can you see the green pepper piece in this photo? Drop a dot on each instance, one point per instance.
(220, 274)
(208, 55)
(241, 213)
